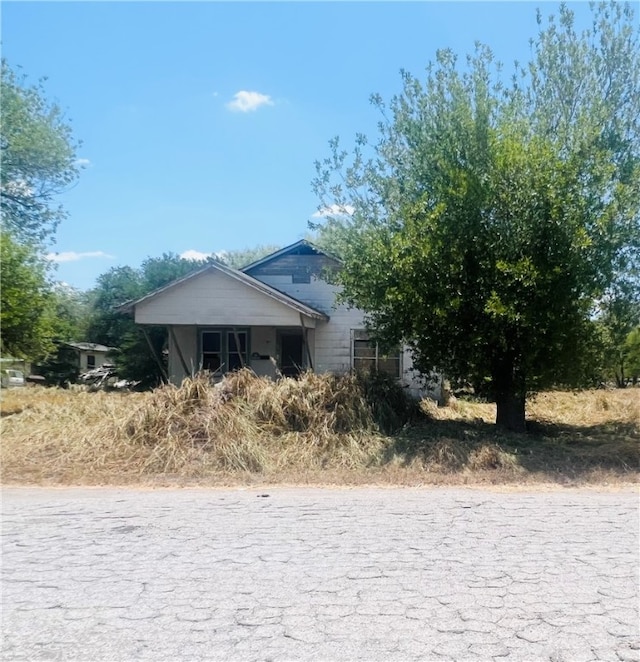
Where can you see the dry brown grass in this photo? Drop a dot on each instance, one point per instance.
(318, 429)
(587, 408)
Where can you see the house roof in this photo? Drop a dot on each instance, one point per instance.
(88, 346)
(244, 278)
(311, 249)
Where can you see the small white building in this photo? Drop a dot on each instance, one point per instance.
(90, 355)
(277, 315)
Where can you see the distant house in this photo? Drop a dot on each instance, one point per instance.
(277, 315)
(88, 355)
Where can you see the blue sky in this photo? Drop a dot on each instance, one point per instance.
(201, 121)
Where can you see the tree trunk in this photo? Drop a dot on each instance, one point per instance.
(510, 412)
(621, 382)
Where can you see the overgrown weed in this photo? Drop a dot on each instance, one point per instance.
(315, 429)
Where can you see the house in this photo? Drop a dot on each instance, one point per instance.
(277, 315)
(87, 355)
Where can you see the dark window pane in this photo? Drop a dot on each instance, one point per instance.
(211, 362)
(364, 365)
(368, 357)
(234, 362)
(242, 337)
(390, 366)
(211, 341)
(364, 349)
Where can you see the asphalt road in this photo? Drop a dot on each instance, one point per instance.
(311, 574)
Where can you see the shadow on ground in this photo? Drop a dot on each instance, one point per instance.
(563, 451)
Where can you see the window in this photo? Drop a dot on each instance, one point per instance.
(211, 350)
(367, 355)
(221, 352)
(91, 361)
(237, 356)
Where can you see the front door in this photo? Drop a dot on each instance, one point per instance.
(291, 353)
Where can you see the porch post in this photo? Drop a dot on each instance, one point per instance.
(153, 353)
(187, 372)
(237, 337)
(305, 340)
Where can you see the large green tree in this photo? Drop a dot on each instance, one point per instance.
(37, 158)
(37, 161)
(71, 308)
(26, 319)
(491, 216)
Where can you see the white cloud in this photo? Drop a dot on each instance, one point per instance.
(192, 254)
(195, 255)
(72, 256)
(245, 102)
(334, 210)
(83, 163)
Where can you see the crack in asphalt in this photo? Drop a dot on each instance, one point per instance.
(309, 574)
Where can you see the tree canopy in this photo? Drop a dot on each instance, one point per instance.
(26, 319)
(38, 159)
(491, 216)
(245, 256)
(33, 311)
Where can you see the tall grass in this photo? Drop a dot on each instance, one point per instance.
(319, 428)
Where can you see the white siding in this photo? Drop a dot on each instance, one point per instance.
(100, 358)
(318, 293)
(332, 340)
(280, 282)
(419, 385)
(263, 342)
(215, 299)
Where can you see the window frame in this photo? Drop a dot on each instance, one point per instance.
(361, 335)
(225, 348)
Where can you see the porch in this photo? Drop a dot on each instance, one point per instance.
(267, 350)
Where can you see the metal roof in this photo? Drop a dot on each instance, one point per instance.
(290, 249)
(88, 346)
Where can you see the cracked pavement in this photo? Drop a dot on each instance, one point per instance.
(319, 574)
